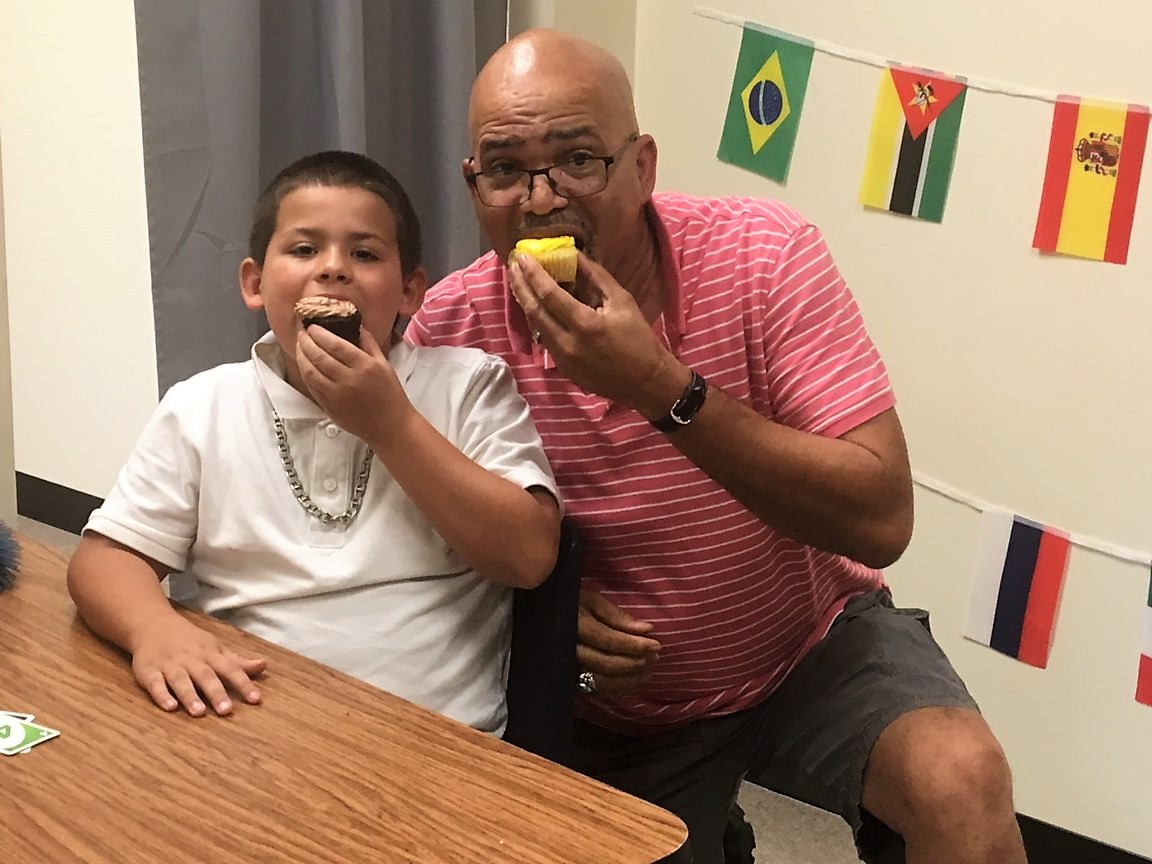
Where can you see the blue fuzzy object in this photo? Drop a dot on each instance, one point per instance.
(9, 557)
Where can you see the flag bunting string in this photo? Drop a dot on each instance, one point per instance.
(1112, 550)
(863, 57)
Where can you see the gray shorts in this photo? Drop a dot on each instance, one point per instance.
(810, 740)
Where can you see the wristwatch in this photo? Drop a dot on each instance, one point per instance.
(686, 407)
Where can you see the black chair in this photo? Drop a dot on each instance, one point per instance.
(542, 666)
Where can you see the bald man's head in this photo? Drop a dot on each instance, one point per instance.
(549, 106)
(554, 65)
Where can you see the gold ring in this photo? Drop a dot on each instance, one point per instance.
(536, 336)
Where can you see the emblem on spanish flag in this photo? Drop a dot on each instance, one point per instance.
(1016, 584)
(767, 99)
(913, 142)
(1094, 161)
(1144, 676)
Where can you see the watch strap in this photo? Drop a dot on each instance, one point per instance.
(686, 407)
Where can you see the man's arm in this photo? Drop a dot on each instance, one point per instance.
(851, 495)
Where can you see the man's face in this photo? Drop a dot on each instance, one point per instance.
(537, 121)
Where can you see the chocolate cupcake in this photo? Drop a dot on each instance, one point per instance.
(336, 316)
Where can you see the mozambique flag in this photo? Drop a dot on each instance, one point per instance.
(1094, 160)
(1016, 584)
(767, 99)
(913, 142)
(1144, 676)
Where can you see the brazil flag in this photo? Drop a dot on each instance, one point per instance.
(767, 99)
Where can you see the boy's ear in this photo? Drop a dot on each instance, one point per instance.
(414, 287)
(250, 273)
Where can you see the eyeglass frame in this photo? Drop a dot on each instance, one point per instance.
(533, 173)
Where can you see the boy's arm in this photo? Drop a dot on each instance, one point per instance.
(117, 592)
(507, 531)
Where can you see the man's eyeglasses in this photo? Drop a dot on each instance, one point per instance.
(573, 178)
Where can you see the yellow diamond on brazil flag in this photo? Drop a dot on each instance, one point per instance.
(765, 102)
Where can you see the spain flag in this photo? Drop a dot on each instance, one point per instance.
(1094, 160)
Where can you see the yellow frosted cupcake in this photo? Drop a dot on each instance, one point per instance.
(557, 255)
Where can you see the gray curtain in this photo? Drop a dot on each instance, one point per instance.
(233, 90)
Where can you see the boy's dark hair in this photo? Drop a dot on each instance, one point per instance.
(338, 169)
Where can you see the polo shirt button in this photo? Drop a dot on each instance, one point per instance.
(331, 430)
(329, 485)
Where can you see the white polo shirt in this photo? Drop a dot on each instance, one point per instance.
(384, 598)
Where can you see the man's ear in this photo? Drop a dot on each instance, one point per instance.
(414, 287)
(250, 273)
(467, 169)
(646, 164)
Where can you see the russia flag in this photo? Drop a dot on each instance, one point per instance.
(1016, 582)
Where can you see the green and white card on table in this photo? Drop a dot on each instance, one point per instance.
(18, 734)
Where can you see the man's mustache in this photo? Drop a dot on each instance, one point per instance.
(559, 219)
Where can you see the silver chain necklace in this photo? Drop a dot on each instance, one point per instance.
(307, 503)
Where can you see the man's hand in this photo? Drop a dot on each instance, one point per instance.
(604, 345)
(615, 647)
(178, 664)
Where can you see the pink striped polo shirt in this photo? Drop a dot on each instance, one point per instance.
(756, 305)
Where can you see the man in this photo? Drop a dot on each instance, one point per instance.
(723, 431)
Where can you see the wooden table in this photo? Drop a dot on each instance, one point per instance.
(328, 770)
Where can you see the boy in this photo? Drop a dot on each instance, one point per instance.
(366, 505)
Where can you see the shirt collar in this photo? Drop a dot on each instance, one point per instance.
(290, 403)
(271, 372)
(673, 320)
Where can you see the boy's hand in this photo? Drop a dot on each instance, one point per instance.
(357, 387)
(177, 663)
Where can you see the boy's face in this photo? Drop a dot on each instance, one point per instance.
(336, 242)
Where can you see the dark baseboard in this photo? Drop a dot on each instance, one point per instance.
(53, 504)
(1047, 844)
(68, 510)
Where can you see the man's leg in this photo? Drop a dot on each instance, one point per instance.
(874, 724)
(739, 838)
(938, 777)
(695, 771)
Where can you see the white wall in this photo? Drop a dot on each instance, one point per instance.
(609, 23)
(83, 355)
(7, 458)
(1022, 381)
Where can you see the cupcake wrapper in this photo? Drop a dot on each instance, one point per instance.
(346, 328)
(561, 264)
